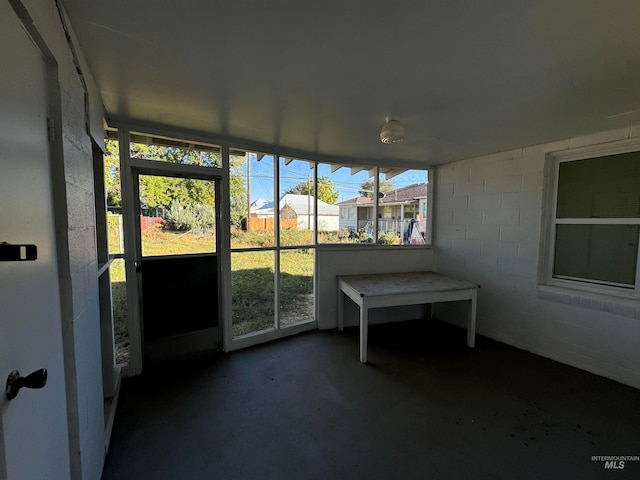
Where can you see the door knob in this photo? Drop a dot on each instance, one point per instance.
(15, 382)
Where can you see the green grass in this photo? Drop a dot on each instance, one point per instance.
(157, 241)
(119, 302)
(253, 289)
(252, 278)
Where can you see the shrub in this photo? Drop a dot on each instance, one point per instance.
(241, 238)
(361, 236)
(199, 218)
(296, 237)
(388, 238)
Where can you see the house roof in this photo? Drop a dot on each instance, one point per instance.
(319, 78)
(399, 195)
(405, 194)
(301, 204)
(258, 204)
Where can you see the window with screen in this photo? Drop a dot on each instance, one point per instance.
(596, 225)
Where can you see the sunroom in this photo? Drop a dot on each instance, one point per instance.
(184, 183)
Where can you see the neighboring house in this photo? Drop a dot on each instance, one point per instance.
(394, 210)
(258, 204)
(300, 207)
(355, 213)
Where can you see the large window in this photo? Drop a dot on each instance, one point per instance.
(595, 224)
(402, 206)
(398, 217)
(272, 206)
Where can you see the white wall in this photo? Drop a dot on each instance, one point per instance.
(332, 260)
(488, 217)
(76, 237)
(328, 223)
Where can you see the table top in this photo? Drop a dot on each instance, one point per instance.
(378, 284)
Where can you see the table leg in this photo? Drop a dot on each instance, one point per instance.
(364, 332)
(340, 309)
(471, 325)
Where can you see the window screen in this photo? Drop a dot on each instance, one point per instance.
(597, 222)
(604, 187)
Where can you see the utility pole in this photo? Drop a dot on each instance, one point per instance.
(308, 202)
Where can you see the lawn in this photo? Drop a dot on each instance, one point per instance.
(252, 278)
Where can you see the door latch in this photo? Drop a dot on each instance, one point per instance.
(17, 253)
(15, 382)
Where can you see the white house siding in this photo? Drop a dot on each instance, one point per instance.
(303, 207)
(327, 223)
(348, 218)
(76, 238)
(350, 225)
(488, 217)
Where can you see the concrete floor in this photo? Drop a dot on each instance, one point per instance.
(424, 407)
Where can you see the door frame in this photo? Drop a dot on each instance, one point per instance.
(130, 171)
(59, 208)
(131, 255)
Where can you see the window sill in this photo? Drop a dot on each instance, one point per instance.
(625, 306)
(370, 246)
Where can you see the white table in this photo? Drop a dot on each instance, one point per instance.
(394, 289)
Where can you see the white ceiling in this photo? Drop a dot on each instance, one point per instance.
(465, 77)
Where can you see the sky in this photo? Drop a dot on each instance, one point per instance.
(297, 171)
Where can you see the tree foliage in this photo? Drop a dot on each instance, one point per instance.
(326, 189)
(367, 187)
(112, 174)
(237, 190)
(163, 192)
(171, 154)
(171, 192)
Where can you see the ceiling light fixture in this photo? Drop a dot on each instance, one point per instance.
(392, 131)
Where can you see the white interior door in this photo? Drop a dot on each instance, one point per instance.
(33, 426)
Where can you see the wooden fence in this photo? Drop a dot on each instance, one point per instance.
(267, 224)
(146, 222)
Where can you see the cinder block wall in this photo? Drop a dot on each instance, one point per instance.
(489, 213)
(76, 237)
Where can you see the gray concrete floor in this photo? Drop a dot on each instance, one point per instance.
(424, 407)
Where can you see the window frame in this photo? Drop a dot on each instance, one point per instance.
(550, 222)
(376, 206)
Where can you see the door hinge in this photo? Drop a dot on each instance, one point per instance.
(51, 129)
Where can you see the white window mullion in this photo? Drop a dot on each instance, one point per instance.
(551, 245)
(315, 204)
(376, 201)
(597, 221)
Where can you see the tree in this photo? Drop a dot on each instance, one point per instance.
(366, 188)
(237, 191)
(326, 189)
(173, 154)
(166, 192)
(159, 191)
(112, 174)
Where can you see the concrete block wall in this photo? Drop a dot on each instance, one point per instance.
(75, 218)
(487, 229)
